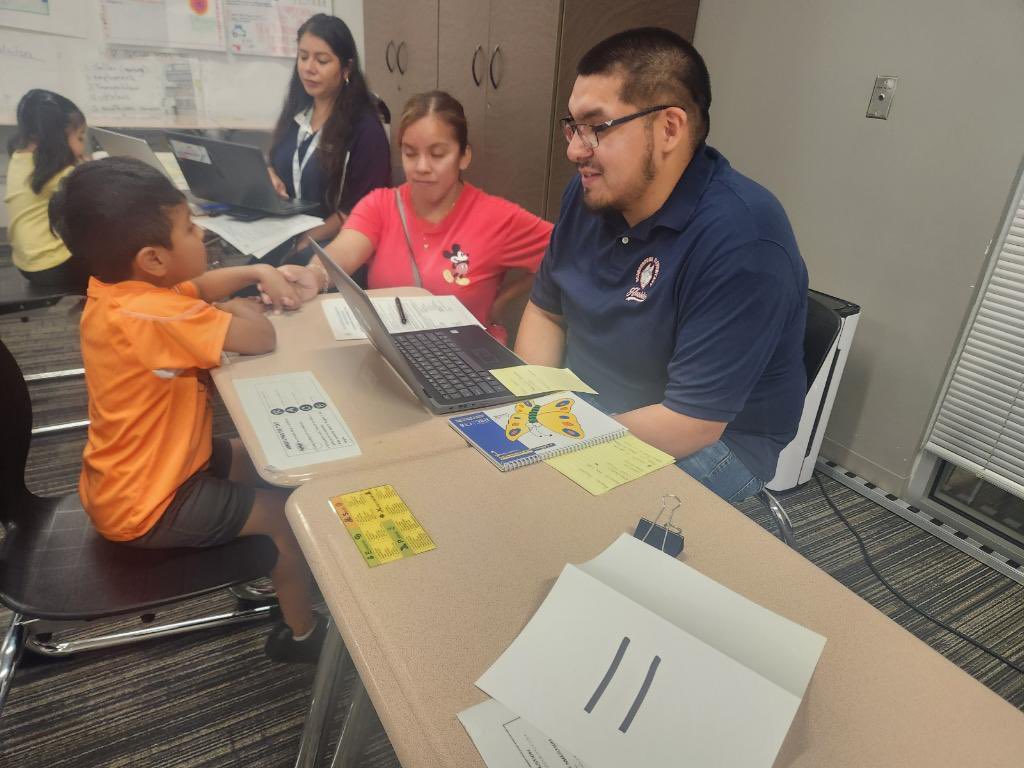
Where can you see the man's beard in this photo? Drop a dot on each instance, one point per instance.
(636, 189)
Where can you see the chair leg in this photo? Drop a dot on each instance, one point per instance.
(331, 668)
(10, 653)
(782, 520)
(356, 728)
(54, 646)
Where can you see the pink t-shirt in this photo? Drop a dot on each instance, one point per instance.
(466, 254)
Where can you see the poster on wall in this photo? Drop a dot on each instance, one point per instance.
(55, 17)
(188, 24)
(268, 27)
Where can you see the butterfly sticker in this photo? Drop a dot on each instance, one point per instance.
(556, 417)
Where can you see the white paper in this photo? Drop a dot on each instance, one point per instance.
(32, 61)
(260, 236)
(52, 17)
(227, 104)
(672, 699)
(268, 27)
(164, 23)
(295, 421)
(505, 740)
(127, 88)
(422, 313)
(170, 164)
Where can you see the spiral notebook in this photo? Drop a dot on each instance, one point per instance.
(514, 435)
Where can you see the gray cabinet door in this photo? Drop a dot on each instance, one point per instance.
(381, 38)
(520, 86)
(462, 30)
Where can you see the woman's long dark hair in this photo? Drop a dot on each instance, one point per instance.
(44, 119)
(350, 105)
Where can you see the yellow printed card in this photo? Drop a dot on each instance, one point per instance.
(382, 527)
(523, 380)
(605, 466)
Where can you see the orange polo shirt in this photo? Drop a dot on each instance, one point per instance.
(146, 352)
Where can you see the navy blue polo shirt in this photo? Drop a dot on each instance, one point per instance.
(369, 165)
(701, 307)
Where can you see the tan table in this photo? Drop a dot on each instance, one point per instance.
(387, 420)
(421, 630)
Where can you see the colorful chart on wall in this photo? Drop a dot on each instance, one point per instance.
(268, 27)
(189, 24)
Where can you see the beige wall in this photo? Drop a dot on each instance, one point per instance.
(894, 215)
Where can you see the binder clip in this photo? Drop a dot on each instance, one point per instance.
(664, 536)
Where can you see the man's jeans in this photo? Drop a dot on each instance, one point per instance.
(720, 470)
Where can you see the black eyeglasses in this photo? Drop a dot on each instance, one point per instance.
(589, 133)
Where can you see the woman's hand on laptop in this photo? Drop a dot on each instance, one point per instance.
(278, 184)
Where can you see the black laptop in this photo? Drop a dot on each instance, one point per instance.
(447, 368)
(232, 174)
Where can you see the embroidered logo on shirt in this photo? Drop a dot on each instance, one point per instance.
(646, 274)
(459, 272)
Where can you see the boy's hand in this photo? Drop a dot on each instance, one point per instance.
(277, 291)
(304, 280)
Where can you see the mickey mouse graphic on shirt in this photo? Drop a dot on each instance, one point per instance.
(459, 272)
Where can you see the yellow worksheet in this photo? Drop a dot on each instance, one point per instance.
(526, 380)
(381, 525)
(602, 467)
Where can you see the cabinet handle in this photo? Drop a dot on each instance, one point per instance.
(387, 56)
(472, 67)
(398, 58)
(490, 67)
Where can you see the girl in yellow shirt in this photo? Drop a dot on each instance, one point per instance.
(50, 140)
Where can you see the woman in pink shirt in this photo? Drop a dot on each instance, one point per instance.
(456, 239)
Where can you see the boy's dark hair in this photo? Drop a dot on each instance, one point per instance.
(658, 67)
(107, 210)
(44, 119)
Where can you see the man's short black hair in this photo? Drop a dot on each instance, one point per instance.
(658, 67)
(107, 210)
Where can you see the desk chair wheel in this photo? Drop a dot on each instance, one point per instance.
(782, 521)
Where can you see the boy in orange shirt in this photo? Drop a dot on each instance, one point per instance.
(152, 475)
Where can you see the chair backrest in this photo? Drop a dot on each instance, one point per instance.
(16, 431)
(823, 325)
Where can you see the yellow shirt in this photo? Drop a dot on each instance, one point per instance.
(34, 247)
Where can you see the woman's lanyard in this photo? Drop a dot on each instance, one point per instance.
(297, 167)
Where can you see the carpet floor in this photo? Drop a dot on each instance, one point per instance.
(213, 700)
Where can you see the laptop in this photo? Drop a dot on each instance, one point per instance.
(231, 174)
(119, 145)
(447, 368)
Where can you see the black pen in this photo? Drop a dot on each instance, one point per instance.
(401, 312)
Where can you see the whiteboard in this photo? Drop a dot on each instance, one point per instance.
(158, 63)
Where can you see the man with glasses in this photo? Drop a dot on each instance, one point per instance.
(673, 284)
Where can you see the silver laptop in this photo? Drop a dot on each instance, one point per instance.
(447, 369)
(119, 145)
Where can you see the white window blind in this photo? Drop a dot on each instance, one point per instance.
(979, 422)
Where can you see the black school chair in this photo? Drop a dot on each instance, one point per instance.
(57, 573)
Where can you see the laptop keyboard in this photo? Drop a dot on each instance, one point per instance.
(435, 357)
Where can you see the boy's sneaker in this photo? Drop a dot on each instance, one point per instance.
(281, 646)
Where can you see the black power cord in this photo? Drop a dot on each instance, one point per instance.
(901, 598)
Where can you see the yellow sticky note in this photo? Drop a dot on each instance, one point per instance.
(382, 527)
(604, 466)
(526, 380)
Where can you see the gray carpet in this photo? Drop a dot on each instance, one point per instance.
(212, 699)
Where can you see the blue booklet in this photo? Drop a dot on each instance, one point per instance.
(518, 434)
